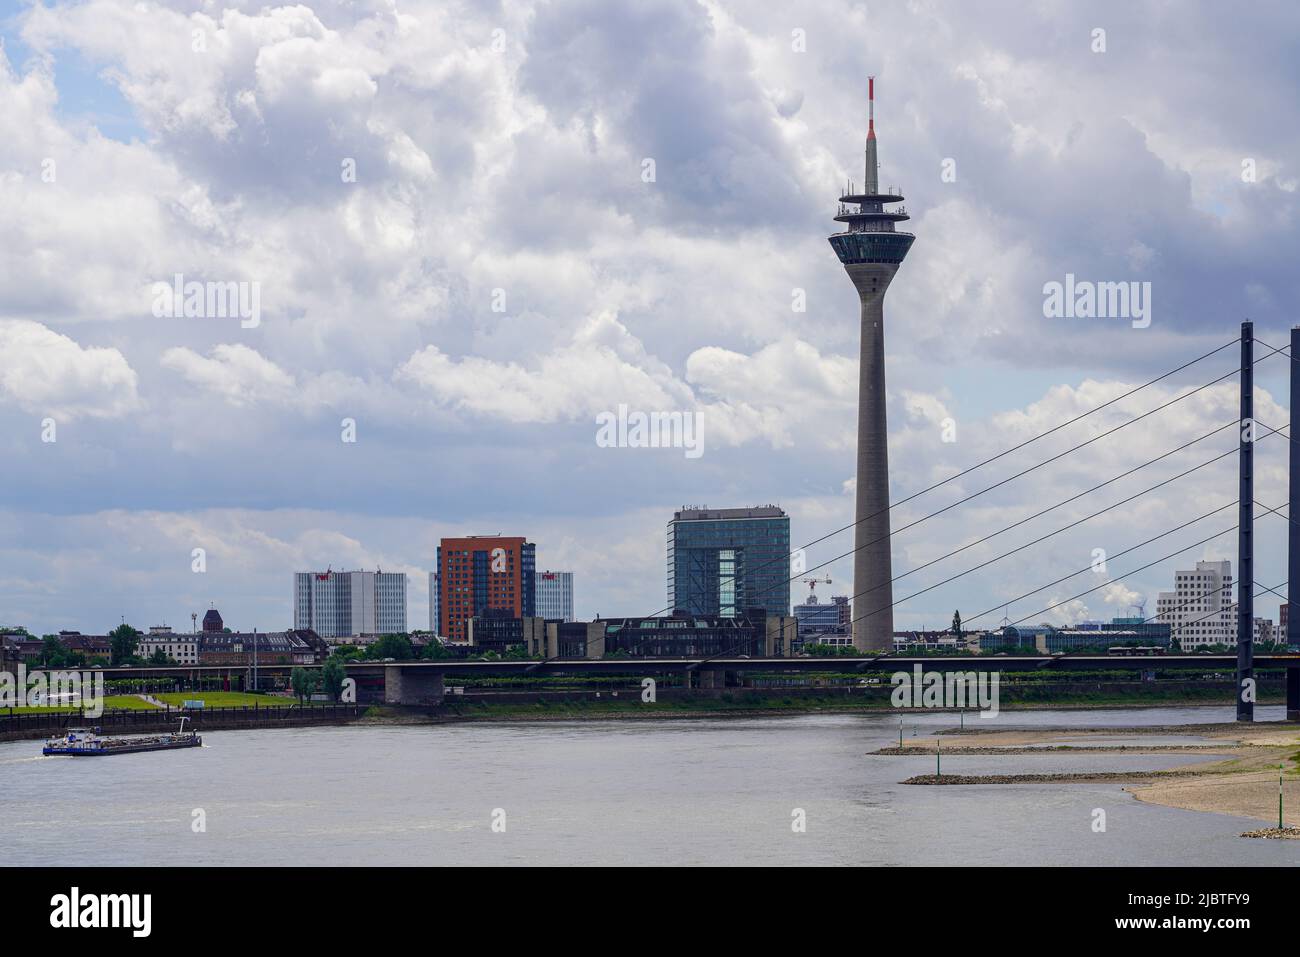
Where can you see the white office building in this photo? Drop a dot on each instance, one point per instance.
(1265, 630)
(180, 648)
(553, 594)
(350, 604)
(433, 602)
(1200, 611)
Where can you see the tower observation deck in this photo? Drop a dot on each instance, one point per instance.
(871, 250)
(869, 235)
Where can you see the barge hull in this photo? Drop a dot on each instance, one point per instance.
(122, 749)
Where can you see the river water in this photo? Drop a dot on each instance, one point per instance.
(669, 792)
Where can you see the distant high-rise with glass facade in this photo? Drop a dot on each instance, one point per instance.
(433, 602)
(347, 604)
(824, 624)
(724, 561)
(554, 595)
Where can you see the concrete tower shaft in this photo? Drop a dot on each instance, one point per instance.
(871, 250)
(873, 595)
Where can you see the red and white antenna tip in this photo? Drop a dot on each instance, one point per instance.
(871, 106)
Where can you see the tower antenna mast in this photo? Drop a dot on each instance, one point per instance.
(871, 107)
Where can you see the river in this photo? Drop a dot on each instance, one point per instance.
(652, 792)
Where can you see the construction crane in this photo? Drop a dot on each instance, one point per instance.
(812, 588)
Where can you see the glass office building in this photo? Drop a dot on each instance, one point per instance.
(825, 624)
(347, 604)
(554, 595)
(725, 561)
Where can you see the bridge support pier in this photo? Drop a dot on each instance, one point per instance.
(1293, 694)
(704, 678)
(412, 686)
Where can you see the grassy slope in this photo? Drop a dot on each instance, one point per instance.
(119, 701)
(226, 699)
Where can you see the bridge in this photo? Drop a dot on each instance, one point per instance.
(423, 683)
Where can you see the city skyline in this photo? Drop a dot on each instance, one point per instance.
(677, 294)
(1202, 597)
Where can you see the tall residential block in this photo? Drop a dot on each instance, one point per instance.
(554, 595)
(871, 250)
(1200, 610)
(726, 561)
(349, 604)
(481, 573)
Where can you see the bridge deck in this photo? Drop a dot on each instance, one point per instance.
(642, 666)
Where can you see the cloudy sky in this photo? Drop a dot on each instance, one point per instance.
(445, 211)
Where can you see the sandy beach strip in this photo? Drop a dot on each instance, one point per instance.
(1059, 749)
(1243, 784)
(1250, 794)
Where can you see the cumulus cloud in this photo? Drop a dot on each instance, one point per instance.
(771, 396)
(786, 392)
(237, 373)
(46, 373)
(1120, 594)
(603, 364)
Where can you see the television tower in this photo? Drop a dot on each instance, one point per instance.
(871, 251)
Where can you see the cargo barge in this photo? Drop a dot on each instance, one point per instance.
(85, 742)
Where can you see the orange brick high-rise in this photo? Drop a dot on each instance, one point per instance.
(478, 574)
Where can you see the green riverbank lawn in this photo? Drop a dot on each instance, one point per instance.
(211, 699)
(227, 699)
(112, 701)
